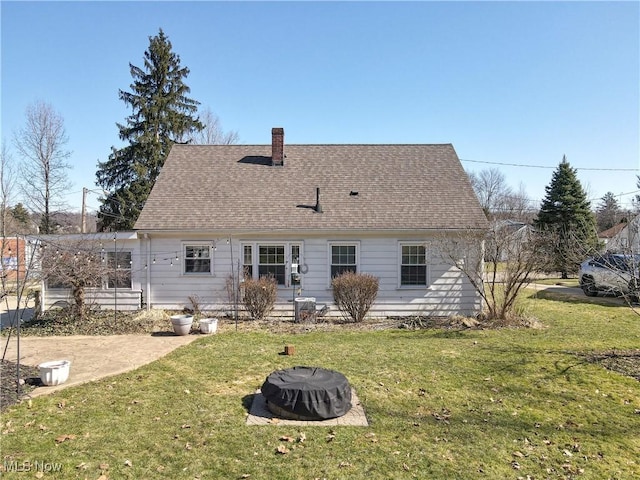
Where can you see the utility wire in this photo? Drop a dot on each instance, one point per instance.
(551, 167)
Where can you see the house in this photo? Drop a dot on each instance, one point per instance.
(219, 213)
(623, 237)
(12, 262)
(506, 240)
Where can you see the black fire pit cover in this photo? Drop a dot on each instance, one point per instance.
(309, 392)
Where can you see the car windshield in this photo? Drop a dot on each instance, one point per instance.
(624, 262)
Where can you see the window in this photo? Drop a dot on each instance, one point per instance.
(295, 253)
(271, 262)
(118, 269)
(197, 258)
(343, 259)
(276, 260)
(413, 265)
(248, 261)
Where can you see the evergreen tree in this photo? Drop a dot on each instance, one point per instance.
(608, 212)
(162, 114)
(566, 215)
(20, 215)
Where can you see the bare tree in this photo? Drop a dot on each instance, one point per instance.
(81, 265)
(517, 206)
(212, 133)
(7, 183)
(44, 169)
(498, 264)
(491, 189)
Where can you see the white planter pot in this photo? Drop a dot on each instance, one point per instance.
(182, 324)
(54, 373)
(209, 325)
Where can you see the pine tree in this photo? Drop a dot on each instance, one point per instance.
(566, 215)
(608, 212)
(162, 115)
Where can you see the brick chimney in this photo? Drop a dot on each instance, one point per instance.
(277, 147)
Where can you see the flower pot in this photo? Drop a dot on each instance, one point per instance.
(208, 325)
(54, 373)
(182, 324)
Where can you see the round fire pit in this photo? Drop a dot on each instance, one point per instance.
(307, 393)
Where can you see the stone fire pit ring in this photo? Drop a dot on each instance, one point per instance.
(307, 393)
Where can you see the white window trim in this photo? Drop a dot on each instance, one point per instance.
(336, 243)
(255, 258)
(196, 243)
(426, 260)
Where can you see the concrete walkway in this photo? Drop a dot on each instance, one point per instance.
(8, 313)
(93, 357)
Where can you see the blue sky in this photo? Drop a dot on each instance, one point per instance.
(505, 82)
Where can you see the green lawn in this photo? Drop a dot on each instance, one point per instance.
(509, 403)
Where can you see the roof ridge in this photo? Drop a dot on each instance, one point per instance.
(319, 145)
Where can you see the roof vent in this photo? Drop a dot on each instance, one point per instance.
(353, 193)
(318, 208)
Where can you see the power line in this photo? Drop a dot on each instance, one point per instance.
(551, 167)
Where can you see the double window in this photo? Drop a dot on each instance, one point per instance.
(270, 260)
(413, 265)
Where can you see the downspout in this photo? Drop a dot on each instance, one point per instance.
(148, 287)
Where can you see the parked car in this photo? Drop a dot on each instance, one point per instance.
(613, 273)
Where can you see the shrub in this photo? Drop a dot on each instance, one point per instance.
(195, 309)
(354, 293)
(260, 296)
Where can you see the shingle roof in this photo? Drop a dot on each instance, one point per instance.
(234, 187)
(613, 231)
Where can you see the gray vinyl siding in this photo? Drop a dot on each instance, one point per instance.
(448, 292)
(124, 299)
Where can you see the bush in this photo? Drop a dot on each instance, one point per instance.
(354, 293)
(260, 296)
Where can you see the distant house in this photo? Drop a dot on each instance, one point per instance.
(218, 214)
(508, 238)
(623, 238)
(14, 255)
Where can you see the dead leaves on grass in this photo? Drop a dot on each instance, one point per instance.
(283, 450)
(64, 438)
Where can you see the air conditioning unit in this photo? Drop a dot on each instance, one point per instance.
(305, 309)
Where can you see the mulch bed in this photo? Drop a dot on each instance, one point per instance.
(10, 394)
(626, 362)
